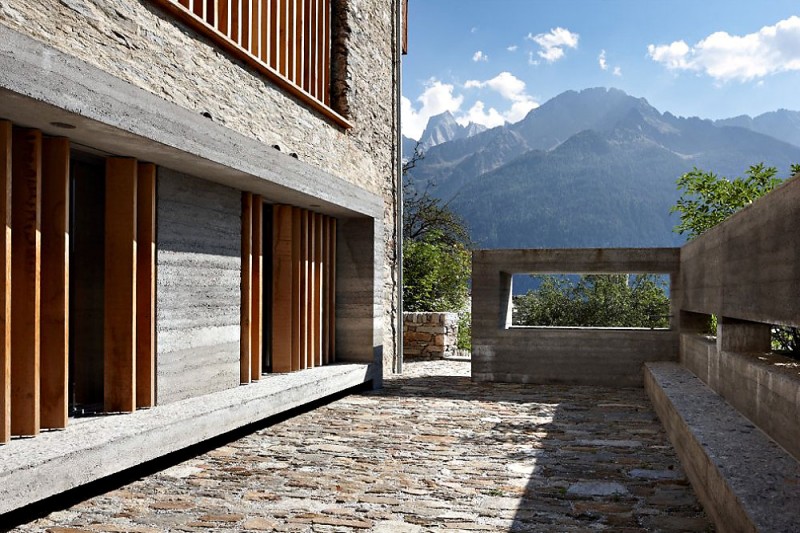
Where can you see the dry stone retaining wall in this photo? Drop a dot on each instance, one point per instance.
(429, 335)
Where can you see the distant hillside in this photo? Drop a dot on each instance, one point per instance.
(590, 168)
(782, 124)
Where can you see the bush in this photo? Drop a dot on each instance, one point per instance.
(612, 300)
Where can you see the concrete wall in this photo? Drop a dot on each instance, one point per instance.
(764, 387)
(198, 286)
(748, 267)
(612, 357)
(430, 335)
(136, 42)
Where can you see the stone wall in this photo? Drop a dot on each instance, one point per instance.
(429, 335)
(136, 41)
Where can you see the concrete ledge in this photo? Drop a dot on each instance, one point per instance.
(763, 387)
(92, 448)
(40, 85)
(744, 480)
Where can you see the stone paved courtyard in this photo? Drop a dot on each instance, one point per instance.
(431, 452)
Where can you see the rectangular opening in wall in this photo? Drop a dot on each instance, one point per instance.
(86, 284)
(591, 300)
(266, 288)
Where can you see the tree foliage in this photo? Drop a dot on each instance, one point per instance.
(436, 251)
(707, 199)
(608, 300)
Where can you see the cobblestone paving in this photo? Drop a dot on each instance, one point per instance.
(431, 452)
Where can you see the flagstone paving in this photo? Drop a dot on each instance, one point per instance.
(432, 451)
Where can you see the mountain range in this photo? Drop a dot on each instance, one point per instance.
(591, 168)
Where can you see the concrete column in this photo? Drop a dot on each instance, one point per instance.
(742, 336)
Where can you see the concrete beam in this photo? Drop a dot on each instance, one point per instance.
(40, 86)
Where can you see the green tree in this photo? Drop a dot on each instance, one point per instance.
(436, 251)
(608, 300)
(707, 199)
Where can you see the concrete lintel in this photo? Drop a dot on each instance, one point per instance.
(40, 85)
(581, 260)
(92, 448)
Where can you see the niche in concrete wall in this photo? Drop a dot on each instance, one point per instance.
(198, 287)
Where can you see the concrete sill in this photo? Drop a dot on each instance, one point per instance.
(93, 448)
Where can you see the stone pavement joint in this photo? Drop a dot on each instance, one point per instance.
(432, 451)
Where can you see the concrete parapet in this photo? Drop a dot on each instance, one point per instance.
(582, 356)
(745, 481)
(430, 335)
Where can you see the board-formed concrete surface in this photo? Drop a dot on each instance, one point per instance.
(581, 356)
(432, 451)
(765, 387)
(91, 448)
(745, 481)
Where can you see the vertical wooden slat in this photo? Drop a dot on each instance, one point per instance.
(274, 33)
(299, 24)
(308, 45)
(265, 29)
(297, 274)
(318, 288)
(257, 305)
(244, 23)
(405, 26)
(319, 43)
(26, 170)
(332, 292)
(146, 285)
(311, 288)
(255, 27)
(247, 288)
(235, 15)
(5, 272)
(326, 53)
(54, 357)
(303, 289)
(119, 364)
(223, 17)
(282, 294)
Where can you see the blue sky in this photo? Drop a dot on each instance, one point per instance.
(493, 60)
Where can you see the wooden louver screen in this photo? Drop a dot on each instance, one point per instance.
(303, 288)
(34, 296)
(288, 40)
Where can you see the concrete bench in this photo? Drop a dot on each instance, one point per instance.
(745, 481)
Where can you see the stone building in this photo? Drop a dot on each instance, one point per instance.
(199, 202)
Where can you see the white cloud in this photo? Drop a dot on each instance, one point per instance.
(727, 57)
(437, 98)
(531, 60)
(479, 56)
(601, 59)
(479, 115)
(512, 48)
(617, 72)
(510, 88)
(554, 42)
